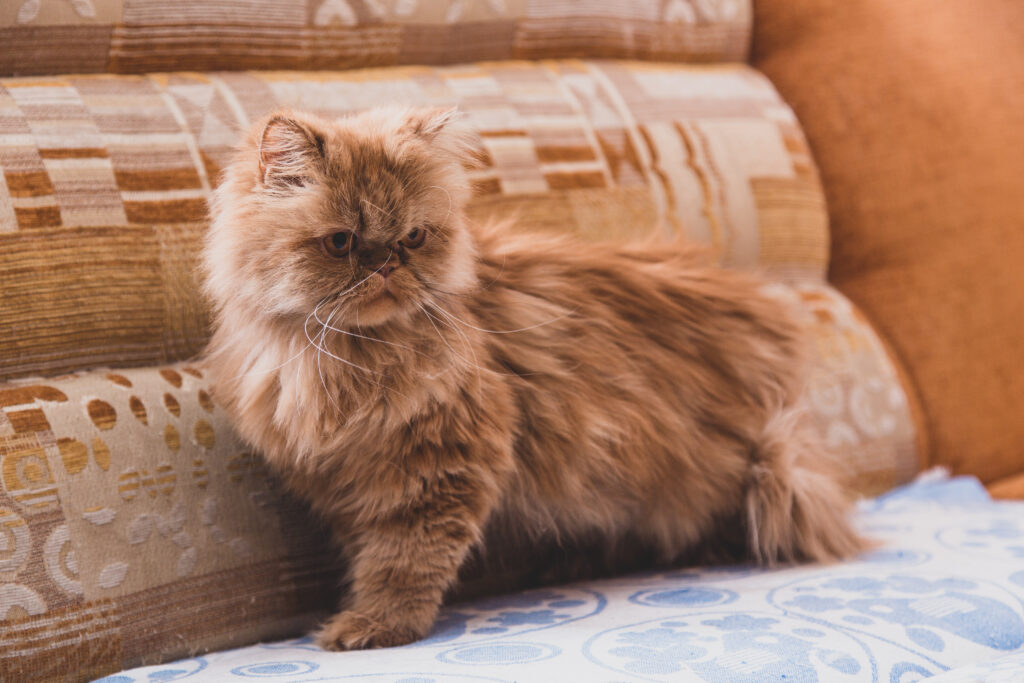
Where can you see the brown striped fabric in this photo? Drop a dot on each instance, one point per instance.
(105, 179)
(139, 36)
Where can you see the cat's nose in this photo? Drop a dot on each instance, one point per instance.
(386, 269)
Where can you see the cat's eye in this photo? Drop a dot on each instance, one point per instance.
(414, 238)
(339, 243)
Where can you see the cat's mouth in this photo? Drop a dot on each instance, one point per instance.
(385, 291)
(379, 295)
(379, 305)
(383, 299)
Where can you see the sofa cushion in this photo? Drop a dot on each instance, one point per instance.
(105, 180)
(136, 36)
(914, 113)
(944, 593)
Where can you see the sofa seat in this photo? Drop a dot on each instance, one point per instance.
(942, 595)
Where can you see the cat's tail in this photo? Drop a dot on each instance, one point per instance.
(796, 508)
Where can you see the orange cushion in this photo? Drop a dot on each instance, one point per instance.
(1010, 487)
(915, 113)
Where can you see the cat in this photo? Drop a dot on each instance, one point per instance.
(427, 384)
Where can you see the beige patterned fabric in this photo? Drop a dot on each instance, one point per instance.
(134, 527)
(854, 396)
(105, 180)
(137, 36)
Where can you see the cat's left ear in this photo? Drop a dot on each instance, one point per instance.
(289, 151)
(447, 131)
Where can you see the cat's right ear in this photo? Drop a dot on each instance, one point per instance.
(289, 151)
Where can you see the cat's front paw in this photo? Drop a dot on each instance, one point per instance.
(352, 630)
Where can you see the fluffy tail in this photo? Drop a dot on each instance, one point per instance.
(796, 508)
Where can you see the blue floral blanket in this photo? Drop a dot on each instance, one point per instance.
(942, 597)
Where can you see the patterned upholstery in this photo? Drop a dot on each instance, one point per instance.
(105, 180)
(137, 36)
(133, 524)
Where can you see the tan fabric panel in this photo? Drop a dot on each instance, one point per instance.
(915, 112)
(105, 178)
(138, 36)
(99, 296)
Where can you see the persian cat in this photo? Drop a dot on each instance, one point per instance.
(433, 387)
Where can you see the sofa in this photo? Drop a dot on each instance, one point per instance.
(860, 154)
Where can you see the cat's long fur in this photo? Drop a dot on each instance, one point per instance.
(508, 381)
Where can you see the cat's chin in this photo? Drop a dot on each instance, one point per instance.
(379, 308)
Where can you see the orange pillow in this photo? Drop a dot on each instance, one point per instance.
(915, 114)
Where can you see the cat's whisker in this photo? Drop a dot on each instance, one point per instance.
(337, 358)
(475, 363)
(465, 340)
(323, 382)
(367, 201)
(323, 340)
(449, 194)
(365, 279)
(436, 287)
(319, 368)
(326, 326)
(451, 324)
(504, 258)
(268, 370)
(430, 319)
(521, 329)
(320, 350)
(372, 339)
(276, 367)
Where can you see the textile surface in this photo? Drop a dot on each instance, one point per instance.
(943, 594)
(134, 526)
(136, 36)
(915, 113)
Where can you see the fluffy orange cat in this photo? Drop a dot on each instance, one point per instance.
(427, 384)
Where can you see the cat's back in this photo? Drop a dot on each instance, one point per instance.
(642, 306)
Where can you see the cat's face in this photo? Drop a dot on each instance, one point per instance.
(351, 222)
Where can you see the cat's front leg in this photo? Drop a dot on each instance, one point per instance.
(406, 560)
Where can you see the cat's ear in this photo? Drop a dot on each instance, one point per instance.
(289, 151)
(446, 130)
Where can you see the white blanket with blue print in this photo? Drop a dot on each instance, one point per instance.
(943, 596)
